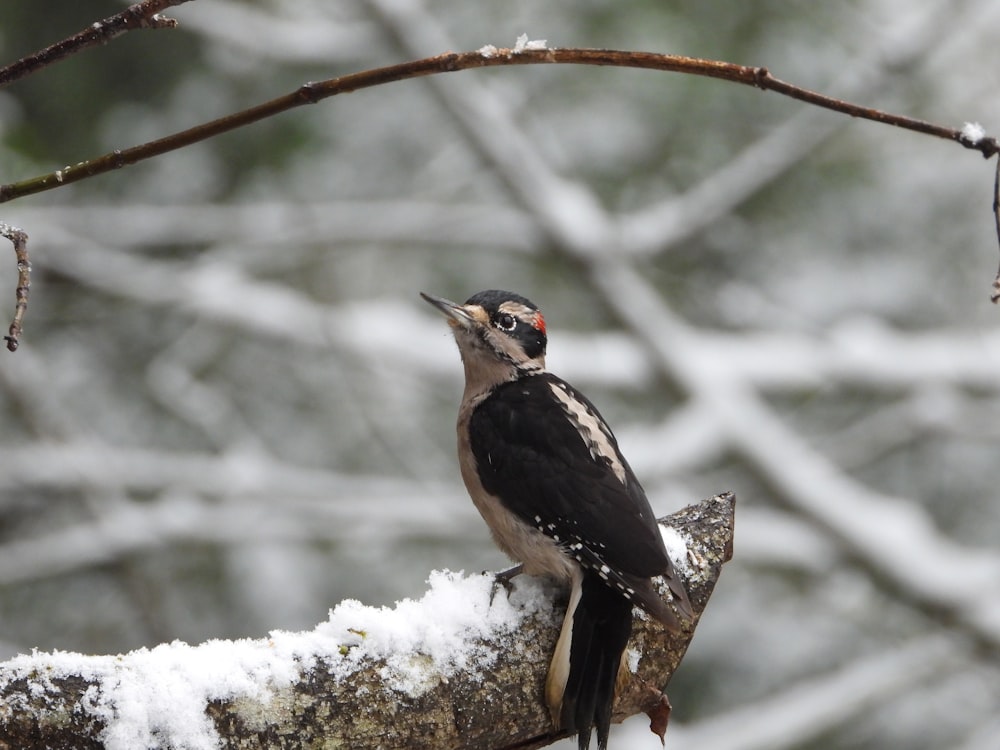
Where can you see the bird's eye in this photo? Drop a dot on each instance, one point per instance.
(505, 322)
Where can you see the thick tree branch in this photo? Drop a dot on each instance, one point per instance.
(144, 15)
(462, 668)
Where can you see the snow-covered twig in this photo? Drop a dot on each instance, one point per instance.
(864, 353)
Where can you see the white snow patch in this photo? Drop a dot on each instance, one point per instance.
(632, 657)
(677, 549)
(523, 44)
(155, 698)
(447, 625)
(488, 51)
(973, 132)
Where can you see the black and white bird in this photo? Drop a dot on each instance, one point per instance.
(544, 470)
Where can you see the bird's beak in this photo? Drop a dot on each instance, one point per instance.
(457, 314)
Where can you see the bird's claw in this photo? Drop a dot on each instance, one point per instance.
(504, 578)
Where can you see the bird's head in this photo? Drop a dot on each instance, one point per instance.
(501, 335)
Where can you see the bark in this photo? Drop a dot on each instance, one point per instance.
(63, 700)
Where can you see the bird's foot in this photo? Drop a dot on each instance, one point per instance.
(503, 578)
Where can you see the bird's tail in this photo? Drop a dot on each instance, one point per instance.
(581, 683)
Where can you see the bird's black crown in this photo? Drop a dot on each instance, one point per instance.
(491, 299)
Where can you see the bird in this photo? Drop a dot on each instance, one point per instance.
(544, 470)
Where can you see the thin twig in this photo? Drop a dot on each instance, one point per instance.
(20, 240)
(995, 296)
(144, 15)
(312, 92)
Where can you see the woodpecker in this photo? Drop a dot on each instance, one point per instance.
(544, 470)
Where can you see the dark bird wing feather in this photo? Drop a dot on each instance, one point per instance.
(533, 457)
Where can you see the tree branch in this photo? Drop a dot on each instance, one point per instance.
(144, 15)
(995, 295)
(489, 56)
(20, 241)
(462, 668)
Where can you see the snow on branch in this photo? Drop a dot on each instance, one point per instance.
(464, 666)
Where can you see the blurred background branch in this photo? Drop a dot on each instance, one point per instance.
(233, 412)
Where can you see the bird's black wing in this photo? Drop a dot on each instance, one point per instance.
(546, 452)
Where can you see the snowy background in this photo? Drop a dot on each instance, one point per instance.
(231, 410)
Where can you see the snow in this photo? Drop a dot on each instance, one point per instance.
(973, 132)
(446, 625)
(523, 44)
(632, 657)
(677, 549)
(155, 698)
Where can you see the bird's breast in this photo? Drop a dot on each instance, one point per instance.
(519, 540)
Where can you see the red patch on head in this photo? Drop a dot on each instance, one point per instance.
(539, 322)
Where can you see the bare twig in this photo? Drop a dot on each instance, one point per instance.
(312, 92)
(144, 15)
(995, 296)
(20, 240)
